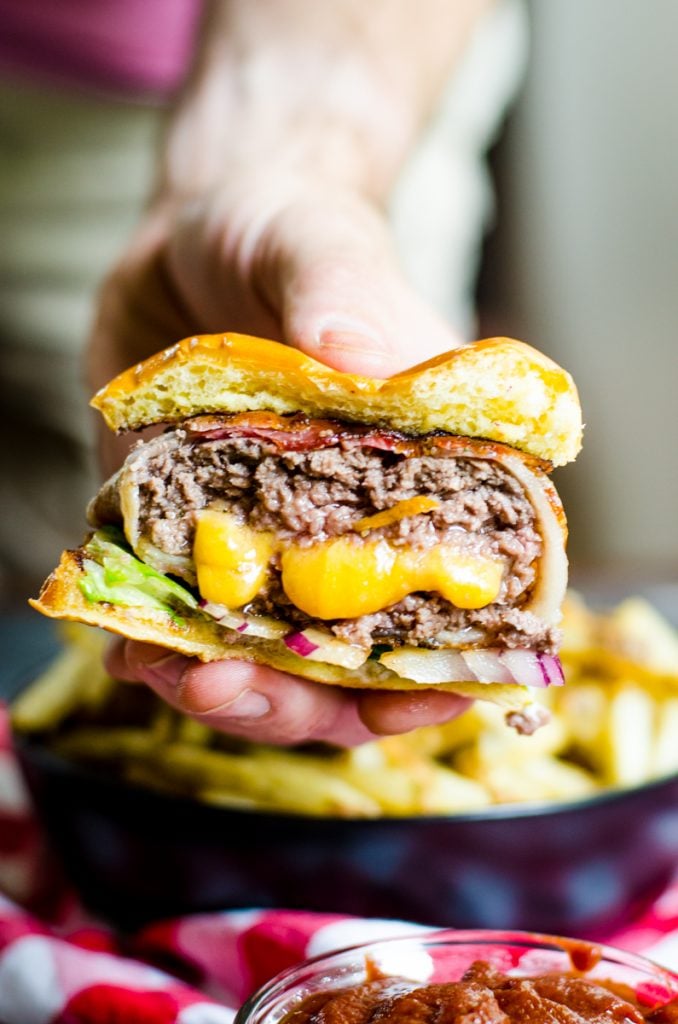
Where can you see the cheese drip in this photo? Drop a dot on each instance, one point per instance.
(341, 578)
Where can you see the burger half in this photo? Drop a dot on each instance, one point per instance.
(393, 534)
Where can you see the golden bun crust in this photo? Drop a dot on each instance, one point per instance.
(200, 637)
(499, 389)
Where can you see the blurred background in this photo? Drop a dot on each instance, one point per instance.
(583, 259)
(580, 261)
(541, 204)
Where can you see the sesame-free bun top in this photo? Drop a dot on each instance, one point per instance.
(499, 389)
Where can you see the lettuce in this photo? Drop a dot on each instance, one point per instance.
(113, 574)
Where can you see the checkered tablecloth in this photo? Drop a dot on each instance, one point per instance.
(69, 969)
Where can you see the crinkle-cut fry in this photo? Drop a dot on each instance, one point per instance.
(75, 679)
(279, 779)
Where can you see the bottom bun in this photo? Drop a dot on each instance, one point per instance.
(199, 636)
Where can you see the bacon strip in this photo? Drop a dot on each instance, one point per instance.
(300, 433)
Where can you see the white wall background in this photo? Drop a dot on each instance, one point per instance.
(590, 257)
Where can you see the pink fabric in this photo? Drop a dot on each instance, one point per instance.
(138, 48)
(78, 971)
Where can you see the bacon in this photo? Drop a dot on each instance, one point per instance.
(294, 433)
(300, 433)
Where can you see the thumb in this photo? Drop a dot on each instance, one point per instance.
(342, 297)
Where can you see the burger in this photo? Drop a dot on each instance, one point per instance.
(388, 534)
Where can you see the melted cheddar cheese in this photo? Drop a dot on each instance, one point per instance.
(231, 559)
(341, 578)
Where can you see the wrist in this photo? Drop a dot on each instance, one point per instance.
(352, 135)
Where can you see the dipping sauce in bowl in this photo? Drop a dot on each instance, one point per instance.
(481, 977)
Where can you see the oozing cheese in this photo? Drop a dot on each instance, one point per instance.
(335, 579)
(231, 559)
(345, 578)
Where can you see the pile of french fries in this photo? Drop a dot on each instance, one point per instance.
(614, 724)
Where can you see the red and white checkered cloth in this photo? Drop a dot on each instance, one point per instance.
(193, 970)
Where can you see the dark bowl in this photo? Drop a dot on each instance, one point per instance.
(580, 868)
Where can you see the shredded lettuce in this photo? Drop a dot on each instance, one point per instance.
(113, 574)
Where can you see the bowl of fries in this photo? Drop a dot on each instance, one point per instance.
(571, 830)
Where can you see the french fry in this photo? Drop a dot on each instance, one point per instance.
(539, 779)
(615, 723)
(100, 744)
(74, 680)
(411, 784)
(641, 637)
(583, 710)
(578, 624)
(664, 756)
(627, 740)
(277, 778)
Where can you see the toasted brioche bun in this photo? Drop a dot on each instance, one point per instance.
(499, 389)
(200, 637)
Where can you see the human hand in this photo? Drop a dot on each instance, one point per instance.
(301, 261)
(313, 268)
(264, 705)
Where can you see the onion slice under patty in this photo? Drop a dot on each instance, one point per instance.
(484, 665)
(550, 585)
(254, 625)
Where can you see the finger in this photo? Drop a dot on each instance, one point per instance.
(252, 701)
(393, 713)
(342, 297)
(115, 661)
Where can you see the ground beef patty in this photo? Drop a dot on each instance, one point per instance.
(310, 496)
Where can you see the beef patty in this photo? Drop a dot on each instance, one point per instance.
(307, 496)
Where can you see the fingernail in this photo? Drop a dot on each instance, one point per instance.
(248, 704)
(346, 335)
(167, 670)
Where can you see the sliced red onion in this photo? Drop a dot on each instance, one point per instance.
(319, 645)
(486, 666)
(255, 625)
(300, 644)
(519, 666)
(532, 668)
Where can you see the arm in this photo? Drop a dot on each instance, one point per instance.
(267, 214)
(267, 218)
(337, 91)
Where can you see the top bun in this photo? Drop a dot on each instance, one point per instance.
(499, 389)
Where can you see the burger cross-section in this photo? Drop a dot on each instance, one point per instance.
(395, 534)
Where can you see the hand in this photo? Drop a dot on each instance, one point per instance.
(302, 262)
(267, 706)
(310, 266)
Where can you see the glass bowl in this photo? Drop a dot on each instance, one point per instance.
(431, 957)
